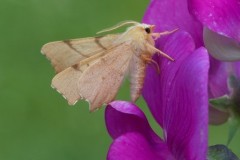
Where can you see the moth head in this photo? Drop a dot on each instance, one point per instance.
(148, 29)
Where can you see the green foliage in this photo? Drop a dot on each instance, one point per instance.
(36, 122)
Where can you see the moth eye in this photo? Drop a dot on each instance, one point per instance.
(147, 30)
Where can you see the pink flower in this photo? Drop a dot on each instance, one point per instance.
(178, 96)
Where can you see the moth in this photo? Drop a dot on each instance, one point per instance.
(93, 68)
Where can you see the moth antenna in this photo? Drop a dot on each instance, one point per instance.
(123, 23)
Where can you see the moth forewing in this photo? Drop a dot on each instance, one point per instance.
(64, 54)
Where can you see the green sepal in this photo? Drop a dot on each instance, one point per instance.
(221, 103)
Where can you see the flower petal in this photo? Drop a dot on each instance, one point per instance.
(178, 97)
(133, 145)
(218, 75)
(155, 84)
(171, 14)
(221, 16)
(221, 47)
(132, 134)
(122, 117)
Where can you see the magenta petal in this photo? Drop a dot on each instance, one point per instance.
(178, 97)
(122, 117)
(218, 75)
(172, 14)
(156, 84)
(221, 16)
(189, 115)
(131, 133)
(134, 146)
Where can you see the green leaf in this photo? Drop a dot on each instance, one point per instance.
(220, 152)
(234, 124)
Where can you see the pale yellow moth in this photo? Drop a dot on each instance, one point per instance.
(94, 68)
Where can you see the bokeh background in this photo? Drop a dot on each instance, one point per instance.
(36, 123)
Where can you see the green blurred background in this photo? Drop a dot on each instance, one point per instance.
(36, 123)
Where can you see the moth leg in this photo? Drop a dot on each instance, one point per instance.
(152, 49)
(157, 35)
(149, 60)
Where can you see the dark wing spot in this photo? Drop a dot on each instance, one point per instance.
(75, 66)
